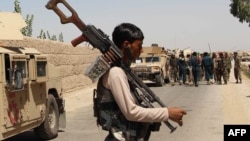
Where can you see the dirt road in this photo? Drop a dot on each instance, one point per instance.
(209, 108)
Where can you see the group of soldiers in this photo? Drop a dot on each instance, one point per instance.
(214, 68)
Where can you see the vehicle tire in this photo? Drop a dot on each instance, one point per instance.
(49, 128)
(159, 80)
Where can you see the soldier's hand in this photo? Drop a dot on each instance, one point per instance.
(176, 114)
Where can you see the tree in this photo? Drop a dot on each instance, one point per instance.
(46, 35)
(61, 37)
(26, 31)
(17, 7)
(53, 37)
(42, 35)
(241, 10)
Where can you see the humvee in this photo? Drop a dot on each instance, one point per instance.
(31, 94)
(152, 65)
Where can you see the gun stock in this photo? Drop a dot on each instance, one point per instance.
(109, 50)
(53, 5)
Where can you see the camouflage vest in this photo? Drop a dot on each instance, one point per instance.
(173, 62)
(221, 64)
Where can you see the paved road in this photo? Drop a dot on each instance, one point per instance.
(209, 107)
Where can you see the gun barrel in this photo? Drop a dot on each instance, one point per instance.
(145, 89)
(170, 126)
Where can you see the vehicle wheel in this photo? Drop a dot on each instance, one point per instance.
(159, 80)
(49, 128)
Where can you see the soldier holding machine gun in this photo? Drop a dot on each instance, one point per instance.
(133, 121)
(122, 102)
(138, 120)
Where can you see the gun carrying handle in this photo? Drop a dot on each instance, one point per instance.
(52, 4)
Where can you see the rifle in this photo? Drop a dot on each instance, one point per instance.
(110, 53)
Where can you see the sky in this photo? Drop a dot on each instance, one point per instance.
(172, 24)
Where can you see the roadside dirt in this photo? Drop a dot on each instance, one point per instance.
(73, 99)
(236, 101)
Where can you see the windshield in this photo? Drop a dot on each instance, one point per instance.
(138, 60)
(152, 59)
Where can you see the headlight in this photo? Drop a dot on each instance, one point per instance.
(155, 68)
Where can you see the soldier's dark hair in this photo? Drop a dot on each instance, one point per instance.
(221, 54)
(194, 53)
(214, 55)
(126, 32)
(205, 53)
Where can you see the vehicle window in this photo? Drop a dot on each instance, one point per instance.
(152, 59)
(138, 60)
(41, 68)
(7, 67)
(20, 67)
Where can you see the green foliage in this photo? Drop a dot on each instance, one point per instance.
(51, 38)
(17, 7)
(241, 10)
(46, 35)
(42, 35)
(61, 37)
(26, 31)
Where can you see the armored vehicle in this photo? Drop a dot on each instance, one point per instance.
(245, 58)
(152, 65)
(31, 94)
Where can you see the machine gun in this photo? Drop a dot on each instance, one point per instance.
(110, 54)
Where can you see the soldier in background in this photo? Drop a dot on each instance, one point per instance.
(207, 64)
(182, 68)
(195, 64)
(215, 67)
(221, 70)
(173, 69)
(228, 62)
(188, 69)
(237, 68)
(202, 70)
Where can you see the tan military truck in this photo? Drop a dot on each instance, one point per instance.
(31, 94)
(152, 65)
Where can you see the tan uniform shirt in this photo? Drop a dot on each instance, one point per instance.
(116, 81)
